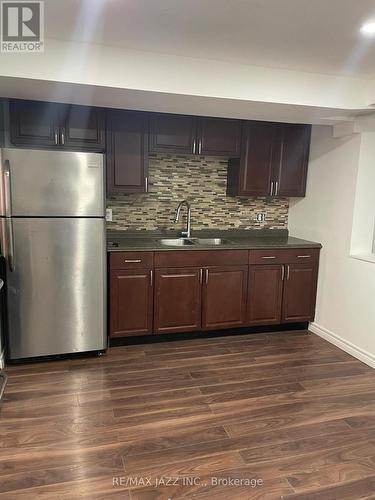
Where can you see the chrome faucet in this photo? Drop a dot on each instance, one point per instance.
(187, 233)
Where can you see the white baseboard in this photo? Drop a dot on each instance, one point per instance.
(343, 344)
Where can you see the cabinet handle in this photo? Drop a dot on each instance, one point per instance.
(63, 136)
(56, 137)
(201, 276)
(269, 257)
(207, 273)
(194, 144)
(303, 256)
(151, 277)
(146, 184)
(132, 261)
(282, 273)
(200, 146)
(288, 273)
(276, 188)
(272, 183)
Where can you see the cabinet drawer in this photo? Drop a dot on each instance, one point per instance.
(290, 256)
(198, 258)
(131, 260)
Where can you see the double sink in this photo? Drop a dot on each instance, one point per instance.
(180, 242)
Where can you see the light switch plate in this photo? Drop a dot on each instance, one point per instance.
(108, 215)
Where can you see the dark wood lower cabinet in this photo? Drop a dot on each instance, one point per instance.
(178, 295)
(176, 292)
(265, 294)
(131, 302)
(299, 295)
(224, 297)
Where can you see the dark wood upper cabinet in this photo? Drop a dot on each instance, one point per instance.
(194, 135)
(34, 123)
(127, 151)
(52, 125)
(273, 161)
(172, 133)
(224, 297)
(177, 300)
(219, 137)
(299, 292)
(251, 174)
(83, 128)
(131, 302)
(265, 293)
(291, 159)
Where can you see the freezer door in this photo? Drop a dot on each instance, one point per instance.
(52, 183)
(56, 290)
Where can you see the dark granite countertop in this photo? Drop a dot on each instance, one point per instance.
(251, 239)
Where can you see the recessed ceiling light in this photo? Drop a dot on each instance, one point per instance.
(368, 28)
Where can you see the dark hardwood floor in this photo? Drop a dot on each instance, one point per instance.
(288, 409)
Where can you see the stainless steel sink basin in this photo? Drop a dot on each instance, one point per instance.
(176, 242)
(211, 241)
(181, 242)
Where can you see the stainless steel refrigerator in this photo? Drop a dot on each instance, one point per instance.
(53, 239)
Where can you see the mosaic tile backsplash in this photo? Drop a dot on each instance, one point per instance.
(202, 181)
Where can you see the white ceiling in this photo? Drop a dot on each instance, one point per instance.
(319, 36)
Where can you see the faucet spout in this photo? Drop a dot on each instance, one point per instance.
(187, 233)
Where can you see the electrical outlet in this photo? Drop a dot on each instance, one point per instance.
(260, 217)
(108, 215)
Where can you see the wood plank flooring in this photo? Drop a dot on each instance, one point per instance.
(283, 415)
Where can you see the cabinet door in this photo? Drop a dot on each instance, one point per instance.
(34, 123)
(265, 293)
(224, 297)
(131, 300)
(83, 128)
(292, 157)
(177, 300)
(219, 137)
(299, 292)
(127, 158)
(251, 175)
(172, 133)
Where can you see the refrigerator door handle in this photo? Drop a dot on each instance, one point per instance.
(7, 191)
(8, 236)
(10, 248)
(7, 242)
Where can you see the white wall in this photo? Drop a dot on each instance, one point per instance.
(364, 207)
(345, 312)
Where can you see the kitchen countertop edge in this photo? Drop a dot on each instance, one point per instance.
(129, 244)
